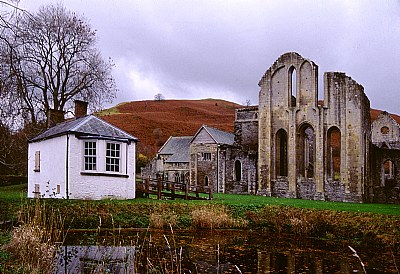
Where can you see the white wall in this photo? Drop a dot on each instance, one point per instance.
(52, 167)
(81, 184)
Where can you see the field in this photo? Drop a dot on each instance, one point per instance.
(16, 194)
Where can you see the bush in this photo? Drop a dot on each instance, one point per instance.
(8, 180)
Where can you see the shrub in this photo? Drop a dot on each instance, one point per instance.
(214, 217)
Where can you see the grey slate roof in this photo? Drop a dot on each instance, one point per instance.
(219, 136)
(91, 126)
(178, 148)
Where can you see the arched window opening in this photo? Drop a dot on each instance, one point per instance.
(292, 86)
(206, 181)
(388, 168)
(333, 153)
(281, 153)
(238, 170)
(306, 155)
(177, 178)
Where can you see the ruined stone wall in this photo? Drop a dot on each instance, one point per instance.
(247, 183)
(385, 189)
(348, 109)
(246, 128)
(288, 109)
(385, 131)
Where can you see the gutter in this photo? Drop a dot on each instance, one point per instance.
(67, 168)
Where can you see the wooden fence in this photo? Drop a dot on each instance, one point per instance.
(172, 190)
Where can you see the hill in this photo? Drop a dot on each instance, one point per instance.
(154, 121)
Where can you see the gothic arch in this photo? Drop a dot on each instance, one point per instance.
(388, 172)
(238, 171)
(333, 153)
(305, 156)
(281, 157)
(292, 86)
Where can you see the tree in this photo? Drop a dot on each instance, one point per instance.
(159, 97)
(48, 60)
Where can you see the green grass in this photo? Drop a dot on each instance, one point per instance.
(13, 192)
(17, 193)
(252, 200)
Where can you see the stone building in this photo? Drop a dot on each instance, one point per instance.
(208, 152)
(294, 145)
(307, 149)
(385, 160)
(171, 162)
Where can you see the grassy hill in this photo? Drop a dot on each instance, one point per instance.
(154, 121)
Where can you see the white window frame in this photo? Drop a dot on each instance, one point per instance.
(94, 164)
(113, 160)
(37, 161)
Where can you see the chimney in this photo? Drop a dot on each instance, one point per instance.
(54, 117)
(80, 108)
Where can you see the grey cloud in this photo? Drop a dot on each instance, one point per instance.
(224, 47)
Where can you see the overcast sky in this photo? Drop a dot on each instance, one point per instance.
(220, 49)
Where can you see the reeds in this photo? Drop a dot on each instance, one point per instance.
(33, 244)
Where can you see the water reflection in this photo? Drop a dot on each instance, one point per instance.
(213, 252)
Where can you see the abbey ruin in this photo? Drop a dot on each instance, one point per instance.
(293, 145)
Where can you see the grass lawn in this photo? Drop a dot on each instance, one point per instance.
(17, 193)
(233, 199)
(13, 192)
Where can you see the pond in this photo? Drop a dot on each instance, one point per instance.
(216, 251)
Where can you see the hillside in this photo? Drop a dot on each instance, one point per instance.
(154, 121)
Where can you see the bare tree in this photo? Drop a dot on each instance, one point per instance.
(49, 59)
(159, 97)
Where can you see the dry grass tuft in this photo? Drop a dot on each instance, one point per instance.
(31, 249)
(215, 217)
(163, 220)
(33, 244)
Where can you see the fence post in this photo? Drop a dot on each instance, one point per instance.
(159, 188)
(147, 187)
(173, 190)
(187, 191)
(210, 193)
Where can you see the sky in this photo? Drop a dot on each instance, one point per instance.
(220, 49)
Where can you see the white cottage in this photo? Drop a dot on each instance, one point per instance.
(85, 158)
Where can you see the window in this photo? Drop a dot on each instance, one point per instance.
(292, 86)
(58, 189)
(385, 130)
(306, 153)
(206, 156)
(112, 157)
(238, 170)
(333, 161)
(206, 181)
(388, 168)
(36, 192)
(177, 178)
(281, 153)
(37, 161)
(90, 155)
